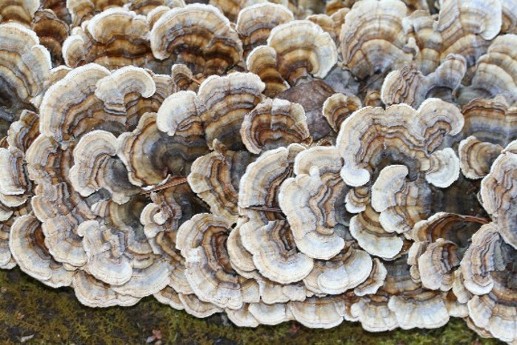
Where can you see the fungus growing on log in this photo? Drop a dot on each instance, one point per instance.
(265, 160)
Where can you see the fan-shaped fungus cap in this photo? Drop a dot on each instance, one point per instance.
(194, 306)
(490, 120)
(242, 317)
(105, 251)
(373, 313)
(476, 157)
(313, 202)
(198, 36)
(488, 268)
(467, 26)
(20, 11)
(338, 107)
(274, 252)
(201, 241)
(495, 72)
(220, 106)
(170, 297)
(61, 211)
(483, 259)
(401, 203)
(25, 71)
(94, 293)
(215, 179)
(52, 32)
(372, 37)
(63, 107)
(96, 166)
(271, 314)
(374, 281)
(150, 155)
(324, 312)
(439, 244)
(424, 309)
(274, 123)
(300, 47)
(498, 193)
(113, 38)
(223, 102)
(341, 273)
(255, 22)
(259, 186)
(408, 85)
(420, 131)
(372, 237)
(27, 246)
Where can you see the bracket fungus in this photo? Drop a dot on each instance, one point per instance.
(254, 29)
(273, 161)
(372, 37)
(113, 38)
(286, 58)
(199, 36)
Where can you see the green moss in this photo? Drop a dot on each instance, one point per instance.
(54, 316)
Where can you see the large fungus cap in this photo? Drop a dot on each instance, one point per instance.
(341, 273)
(220, 106)
(496, 72)
(300, 48)
(27, 246)
(20, 11)
(338, 107)
(499, 193)
(467, 26)
(24, 72)
(199, 36)
(52, 32)
(274, 252)
(476, 157)
(274, 123)
(215, 179)
(202, 242)
(255, 22)
(314, 312)
(408, 85)
(414, 134)
(113, 38)
(372, 37)
(488, 268)
(313, 202)
(96, 166)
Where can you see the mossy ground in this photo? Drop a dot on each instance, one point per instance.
(54, 316)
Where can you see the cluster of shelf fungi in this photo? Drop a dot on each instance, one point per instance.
(274, 161)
